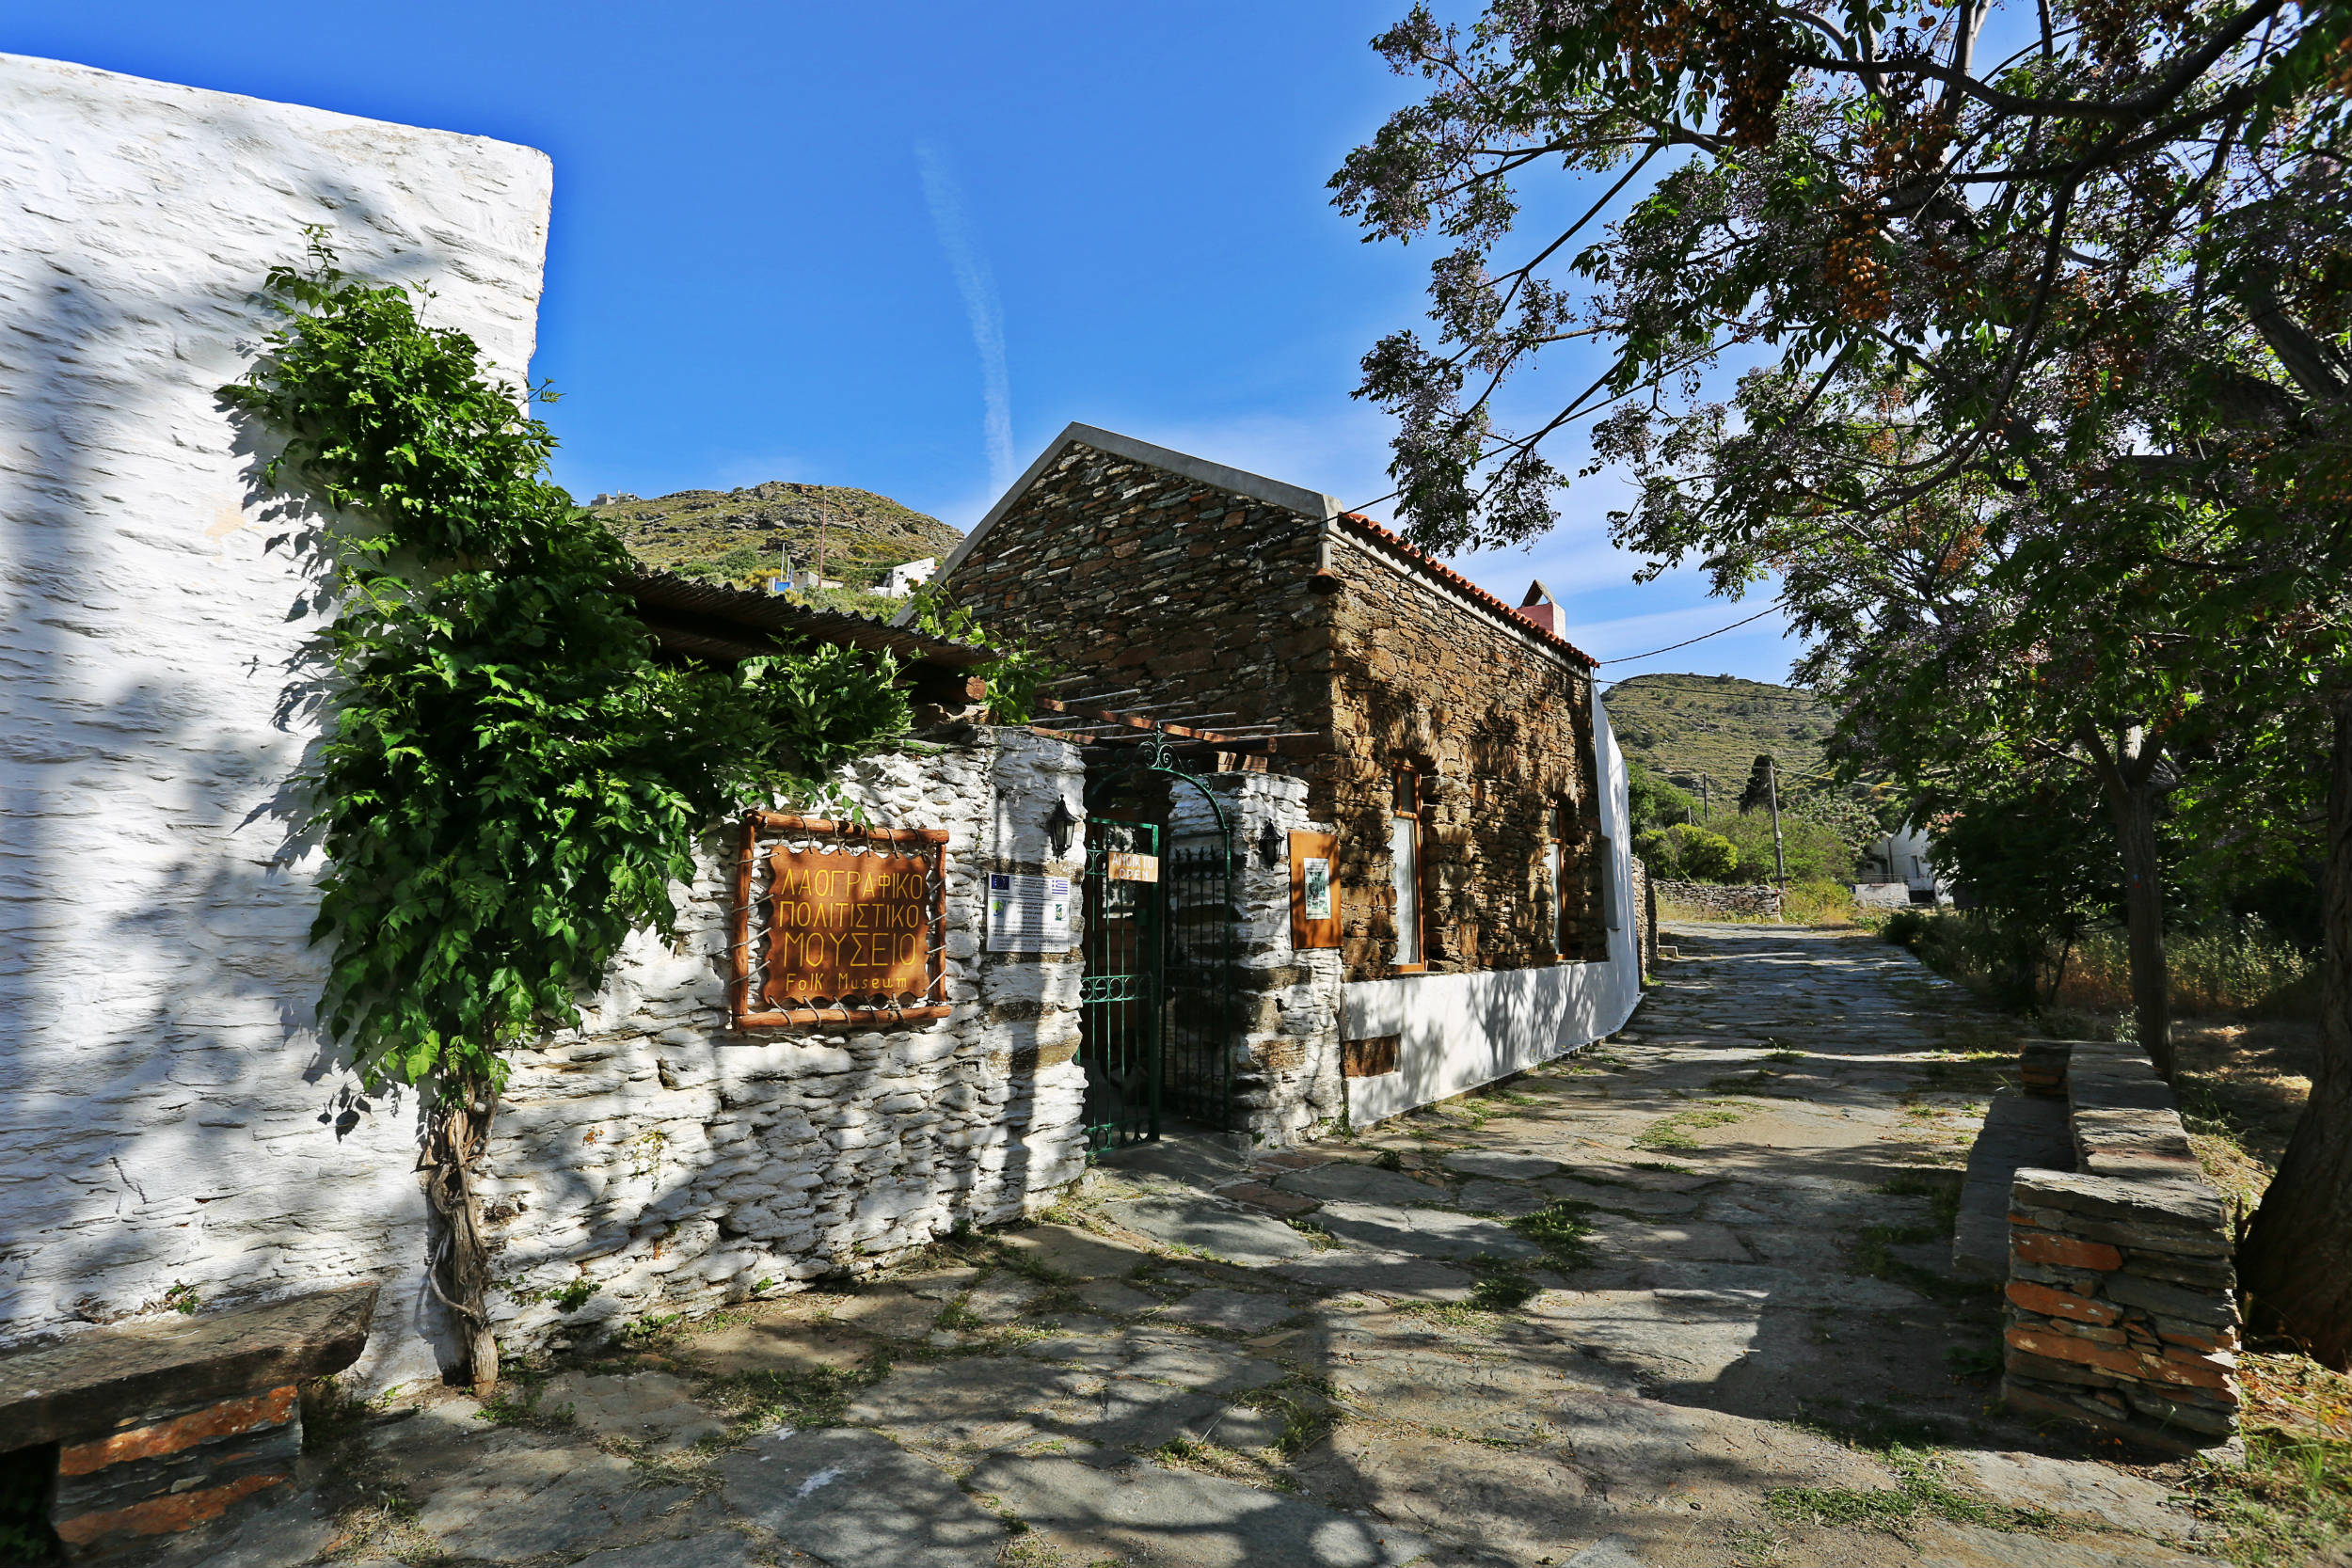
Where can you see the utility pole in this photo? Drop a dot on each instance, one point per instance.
(1706, 804)
(1780, 861)
(824, 516)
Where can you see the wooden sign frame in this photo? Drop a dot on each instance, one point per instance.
(1308, 934)
(746, 1006)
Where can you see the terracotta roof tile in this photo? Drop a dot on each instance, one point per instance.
(1456, 580)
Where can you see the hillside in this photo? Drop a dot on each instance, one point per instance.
(1679, 726)
(731, 535)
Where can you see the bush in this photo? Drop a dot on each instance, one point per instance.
(1905, 927)
(2233, 970)
(1819, 903)
(1705, 856)
(1814, 852)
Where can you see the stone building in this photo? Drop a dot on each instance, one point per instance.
(1452, 744)
(175, 1132)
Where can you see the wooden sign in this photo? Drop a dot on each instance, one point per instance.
(1126, 866)
(1315, 890)
(847, 927)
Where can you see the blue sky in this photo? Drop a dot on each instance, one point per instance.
(900, 245)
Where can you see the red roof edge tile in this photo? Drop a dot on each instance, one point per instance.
(1461, 584)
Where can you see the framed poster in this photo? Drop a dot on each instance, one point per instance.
(1315, 890)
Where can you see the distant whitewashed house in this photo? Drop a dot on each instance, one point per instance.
(906, 576)
(1900, 868)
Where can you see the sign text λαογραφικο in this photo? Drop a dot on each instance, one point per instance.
(846, 925)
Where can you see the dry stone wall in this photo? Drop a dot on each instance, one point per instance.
(1287, 1081)
(663, 1164)
(1149, 578)
(1758, 901)
(1501, 728)
(2123, 1306)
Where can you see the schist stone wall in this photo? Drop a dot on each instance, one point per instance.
(170, 1115)
(2123, 1302)
(1757, 901)
(1287, 1081)
(1210, 587)
(1150, 578)
(667, 1163)
(1500, 726)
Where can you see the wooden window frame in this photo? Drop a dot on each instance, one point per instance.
(743, 990)
(1418, 815)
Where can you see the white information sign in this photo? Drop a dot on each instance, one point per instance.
(1316, 894)
(1027, 914)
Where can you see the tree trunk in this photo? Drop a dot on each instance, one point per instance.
(2130, 776)
(2143, 924)
(455, 1136)
(2295, 1264)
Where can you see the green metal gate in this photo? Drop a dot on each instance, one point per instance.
(1119, 1002)
(1156, 1009)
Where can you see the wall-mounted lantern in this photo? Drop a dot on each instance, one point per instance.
(1059, 825)
(1270, 846)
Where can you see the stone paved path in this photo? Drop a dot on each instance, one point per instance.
(1685, 1299)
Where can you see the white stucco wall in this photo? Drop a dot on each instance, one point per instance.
(1455, 1032)
(165, 1113)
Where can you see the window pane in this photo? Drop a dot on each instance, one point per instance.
(1404, 866)
(1407, 791)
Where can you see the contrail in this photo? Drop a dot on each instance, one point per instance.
(980, 303)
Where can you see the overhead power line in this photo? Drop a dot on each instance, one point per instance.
(1700, 638)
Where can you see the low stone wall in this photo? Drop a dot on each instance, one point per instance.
(655, 1161)
(1759, 900)
(1645, 916)
(2122, 1301)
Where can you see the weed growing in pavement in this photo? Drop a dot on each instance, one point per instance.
(1389, 1158)
(330, 1413)
(1974, 1363)
(1784, 1055)
(1921, 1492)
(1323, 1240)
(808, 1397)
(1754, 1546)
(663, 1331)
(514, 1402)
(1943, 1193)
(1666, 1165)
(958, 1314)
(1309, 1407)
(1503, 1283)
(1559, 1228)
(1673, 1131)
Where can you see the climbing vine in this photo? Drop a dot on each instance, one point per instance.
(512, 778)
(1015, 678)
